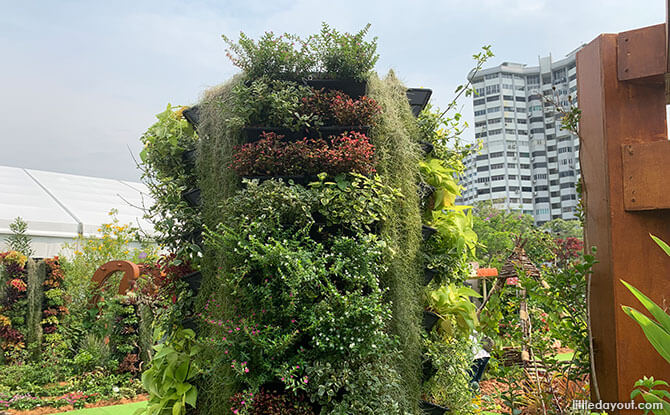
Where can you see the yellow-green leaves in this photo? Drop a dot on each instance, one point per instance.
(450, 301)
(665, 247)
(436, 174)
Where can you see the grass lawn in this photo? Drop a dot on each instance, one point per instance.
(126, 409)
(564, 357)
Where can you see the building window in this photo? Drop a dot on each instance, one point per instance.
(493, 109)
(492, 89)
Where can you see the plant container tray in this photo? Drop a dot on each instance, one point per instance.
(425, 190)
(192, 197)
(432, 409)
(253, 134)
(355, 89)
(188, 157)
(338, 130)
(428, 275)
(429, 320)
(418, 99)
(193, 280)
(194, 237)
(190, 323)
(426, 147)
(192, 115)
(427, 370)
(303, 180)
(427, 232)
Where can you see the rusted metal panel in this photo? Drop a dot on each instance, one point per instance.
(616, 114)
(642, 54)
(646, 171)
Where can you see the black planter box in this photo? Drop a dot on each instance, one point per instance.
(303, 180)
(432, 409)
(418, 99)
(193, 280)
(190, 323)
(425, 190)
(253, 134)
(355, 89)
(337, 130)
(426, 147)
(427, 232)
(188, 157)
(194, 237)
(427, 370)
(429, 320)
(192, 197)
(428, 275)
(192, 115)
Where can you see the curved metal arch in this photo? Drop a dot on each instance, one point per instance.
(131, 272)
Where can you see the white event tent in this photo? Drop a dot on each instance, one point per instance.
(58, 207)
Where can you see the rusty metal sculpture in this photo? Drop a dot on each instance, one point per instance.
(131, 272)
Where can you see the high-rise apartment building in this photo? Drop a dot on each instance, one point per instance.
(528, 163)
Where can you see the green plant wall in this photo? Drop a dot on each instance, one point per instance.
(397, 156)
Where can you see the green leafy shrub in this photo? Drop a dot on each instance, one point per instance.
(285, 57)
(167, 177)
(169, 378)
(343, 55)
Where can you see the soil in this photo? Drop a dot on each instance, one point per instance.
(98, 404)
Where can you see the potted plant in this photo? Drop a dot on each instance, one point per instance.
(285, 57)
(453, 305)
(303, 160)
(344, 60)
(295, 112)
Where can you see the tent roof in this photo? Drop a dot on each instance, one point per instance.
(65, 205)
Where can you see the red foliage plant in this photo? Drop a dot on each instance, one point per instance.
(271, 403)
(336, 107)
(270, 156)
(162, 274)
(348, 111)
(568, 249)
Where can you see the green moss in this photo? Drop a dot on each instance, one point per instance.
(217, 182)
(397, 162)
(36, 273)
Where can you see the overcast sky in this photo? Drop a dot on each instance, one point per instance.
(81, 80)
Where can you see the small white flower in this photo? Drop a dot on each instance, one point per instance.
(115, 389)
